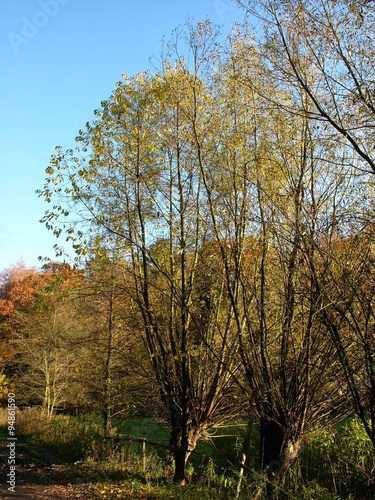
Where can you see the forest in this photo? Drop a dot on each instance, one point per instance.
(221, 208)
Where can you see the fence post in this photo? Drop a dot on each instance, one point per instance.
(144, 455)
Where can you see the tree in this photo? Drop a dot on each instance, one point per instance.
(14, 293)
(37, 315)
(265, 212)
(106, 340)
(325, 49)
(140, 191)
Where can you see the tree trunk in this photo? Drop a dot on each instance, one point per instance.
(180, 460)
(181, 447)
(179, 455)
(107, 425)
(271, 443)
(279, 449)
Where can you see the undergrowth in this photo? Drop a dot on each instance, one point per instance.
(335, 464)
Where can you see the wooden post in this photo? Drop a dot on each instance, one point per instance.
(144, 455)
(245, 447)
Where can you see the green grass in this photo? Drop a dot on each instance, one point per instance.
(221, 445)
(335, 464)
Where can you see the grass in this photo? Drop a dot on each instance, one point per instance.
(139, 491)
(336, 464)
(221, 446)
(69, 437)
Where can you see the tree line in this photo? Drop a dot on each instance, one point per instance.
(223, 206)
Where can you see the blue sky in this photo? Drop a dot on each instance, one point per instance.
(58, 60)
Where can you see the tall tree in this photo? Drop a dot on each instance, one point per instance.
(140, 190)
(264, 214)
(325, 49)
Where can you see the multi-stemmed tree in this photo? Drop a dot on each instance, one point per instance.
(324, 49)
(140, 188)
(267, 189)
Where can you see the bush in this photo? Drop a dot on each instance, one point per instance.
(341, 460)
(72, 438)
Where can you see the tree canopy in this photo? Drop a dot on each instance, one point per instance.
(232, 192)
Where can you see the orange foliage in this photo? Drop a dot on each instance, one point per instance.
(26, 293)
(6, 308)
(20, 287)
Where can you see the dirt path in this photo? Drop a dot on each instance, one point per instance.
(43, 477)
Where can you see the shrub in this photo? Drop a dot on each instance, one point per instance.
(342, 460)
